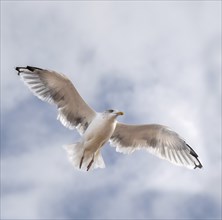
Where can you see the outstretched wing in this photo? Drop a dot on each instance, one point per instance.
(56, 88)
(158, 139)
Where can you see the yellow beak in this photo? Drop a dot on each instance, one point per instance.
(120, 113)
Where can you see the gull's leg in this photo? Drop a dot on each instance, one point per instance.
(90, 164)
(81, 161)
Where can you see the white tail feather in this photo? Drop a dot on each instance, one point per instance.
(75, 153)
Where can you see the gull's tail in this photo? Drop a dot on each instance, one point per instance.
(75, 153)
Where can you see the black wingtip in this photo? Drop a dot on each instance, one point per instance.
(194, 154)
(30, 68)
(198, 165)
(19, 69)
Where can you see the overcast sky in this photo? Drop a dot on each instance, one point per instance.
(158, 61)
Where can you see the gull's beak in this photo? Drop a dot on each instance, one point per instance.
(120, 113)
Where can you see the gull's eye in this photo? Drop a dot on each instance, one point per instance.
(110, 111)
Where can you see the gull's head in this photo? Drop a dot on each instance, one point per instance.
(113, 113)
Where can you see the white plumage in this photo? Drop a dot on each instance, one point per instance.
(98, 128)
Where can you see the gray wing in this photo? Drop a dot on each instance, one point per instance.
(56, 88)
(157, 139)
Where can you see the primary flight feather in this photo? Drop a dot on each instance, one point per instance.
(98, 128)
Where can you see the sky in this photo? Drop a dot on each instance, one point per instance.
(158, 61)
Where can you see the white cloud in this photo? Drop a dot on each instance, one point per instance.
(163, 63)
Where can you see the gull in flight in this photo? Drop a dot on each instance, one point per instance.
(97, 128)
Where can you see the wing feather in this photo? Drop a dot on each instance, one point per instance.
(157, 139)
(56, 88)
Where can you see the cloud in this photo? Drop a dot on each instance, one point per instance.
(159, 62)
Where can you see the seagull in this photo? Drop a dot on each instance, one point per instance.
(97, 128)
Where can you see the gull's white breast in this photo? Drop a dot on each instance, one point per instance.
(99, 132)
